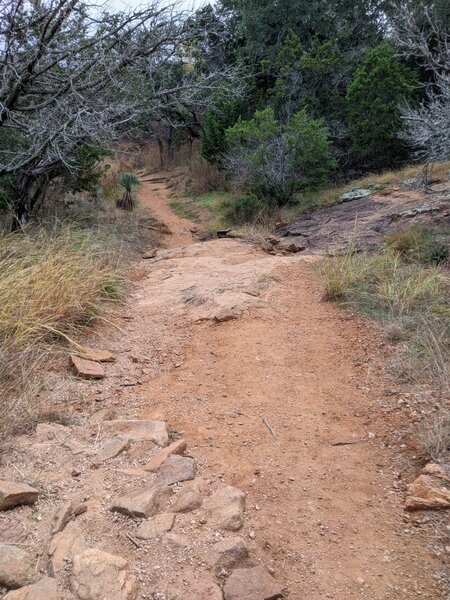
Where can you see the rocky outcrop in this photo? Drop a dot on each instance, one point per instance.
(430, 491)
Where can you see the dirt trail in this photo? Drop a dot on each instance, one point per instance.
(327, 519)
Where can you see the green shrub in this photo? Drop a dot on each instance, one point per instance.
(427, 245)
(245, 209)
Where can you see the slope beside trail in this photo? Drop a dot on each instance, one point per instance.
(327, 519)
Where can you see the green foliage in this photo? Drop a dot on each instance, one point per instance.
(86, 173)
(245, 209)
(429, 246)
(373, 99)
(128, 181)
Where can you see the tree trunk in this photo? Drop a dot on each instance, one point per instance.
(21, 207)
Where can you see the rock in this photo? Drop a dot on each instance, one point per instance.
(223, 233)
(65, 513)
(52, 431)
(14, 494)
(226, 508)
(16, 567)
(355, 194)
(177, 447)
(227, 314)
(86, 369)
(143, 503)
(176, 539)
(176, 469)
(202, 590)
(252, 584)
(189, 498)
(105, 414)
(273, 240)
(430, 491)
(96, 355)
(45, 589)
(98, 575)
(155, 526)
(228, 553)
(150, 254)
(287, 245)
(12, 532)
(64, 546)
(112, 448)
(135, 429)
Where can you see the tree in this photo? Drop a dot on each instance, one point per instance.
(373, 99)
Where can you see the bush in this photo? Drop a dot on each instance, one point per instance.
(429, 246)
(245, 209)
(274, 161)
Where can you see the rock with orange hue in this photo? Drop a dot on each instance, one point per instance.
(155, 463)
(430, 491)
(176, 469)
(45, 589)
(143, 503)
(86, 369)
(13, 494)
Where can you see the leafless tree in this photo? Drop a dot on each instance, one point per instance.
(423, 35)
(71, 73)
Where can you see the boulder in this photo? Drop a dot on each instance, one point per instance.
(228, 553)
(64, 546)
(137, 430)
(226, 508)
(176, 469)
(156, 461)
(16, 567)
(143, 503)
(189, 498)
(156, 526)
(86, 369)
(14, 494)
(98, 575)
(44, 589)
(252, 584)
(430, 491)
(355, 194)
(112, 448)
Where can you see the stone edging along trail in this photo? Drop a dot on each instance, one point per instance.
(239, 447)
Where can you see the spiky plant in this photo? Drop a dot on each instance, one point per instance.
(129, 182)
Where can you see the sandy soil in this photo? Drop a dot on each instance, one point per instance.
(236, 350)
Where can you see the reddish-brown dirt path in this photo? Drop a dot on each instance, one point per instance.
(327, 519)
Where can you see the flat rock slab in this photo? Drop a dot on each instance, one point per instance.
(203, 590)
(67, 511)
(12, 532)
(16, 567)
(143, 503)
(228, 553)
(155, 463)
(64, 546)
(155, 526)
(252, 584)
(112, 448)
(137, 430)
(14, 494)
(44, 589)
(189, 498)
(176, 469)
(226, 507)
(86, 369)
(430, 491)
(98, 575)
(96, 355)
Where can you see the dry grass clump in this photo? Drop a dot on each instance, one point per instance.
(53, 282)
(435, 437)
(205, 177)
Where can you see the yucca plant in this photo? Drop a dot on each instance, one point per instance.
(129, 182)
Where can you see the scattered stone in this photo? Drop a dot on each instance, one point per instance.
(176, 469)
(287, 245)
(95, 355)
(176, 539)
(45, 589)
(136, 430)
(69, 510)
(189, 498)
(273, 240)
(86, 369)
(177, 447)
(227, 314)
(430, 491)
(16, 567)
(203, 590)
(64, 546)
(155, 526)
(51, 431)
(223, 233)
(149, 254)
(143, 503)
(226, 508)
(420, 210)
(13, 494)
(112, 448)
(355, 194)
(12, 532)
(228, 553)
(98, 575)
(252, 584)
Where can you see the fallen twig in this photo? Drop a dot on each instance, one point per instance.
(348, 443)
(264, 420)
(132, 540)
